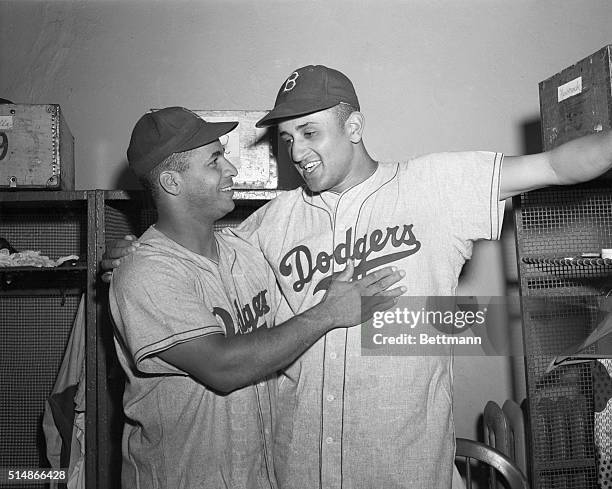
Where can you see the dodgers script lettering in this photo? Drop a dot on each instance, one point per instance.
(248, 315)
(299, 262)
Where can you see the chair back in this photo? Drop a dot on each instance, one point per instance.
(472, 450)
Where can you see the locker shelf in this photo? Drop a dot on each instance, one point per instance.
(567, 261)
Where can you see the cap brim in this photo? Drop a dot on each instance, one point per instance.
(293, 109)
(208, 133)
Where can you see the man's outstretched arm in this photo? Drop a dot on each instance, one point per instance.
(576, 161)
(228, 363)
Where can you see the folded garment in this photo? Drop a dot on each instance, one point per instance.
(31, 258)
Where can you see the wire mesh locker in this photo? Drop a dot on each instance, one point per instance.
(37, 310)
(560, 233)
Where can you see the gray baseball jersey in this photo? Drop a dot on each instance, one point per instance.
(352, 421)
(179, 433)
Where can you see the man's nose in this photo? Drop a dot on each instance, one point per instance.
(298, 151)
(230, 168)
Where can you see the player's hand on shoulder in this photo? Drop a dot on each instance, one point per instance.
(116, 250)
(350, 302)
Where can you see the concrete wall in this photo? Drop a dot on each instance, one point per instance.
(432, 75)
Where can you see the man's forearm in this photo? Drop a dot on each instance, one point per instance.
(247, 358)
(227, 363)
(582, 159)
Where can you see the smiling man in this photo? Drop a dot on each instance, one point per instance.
(194, 311)
(347, 420)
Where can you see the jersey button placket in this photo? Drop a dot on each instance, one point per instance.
(333, 374)
(331, 456)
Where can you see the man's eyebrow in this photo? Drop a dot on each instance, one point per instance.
(300, 127)
(306, 124)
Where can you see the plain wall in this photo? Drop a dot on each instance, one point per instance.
(432, 75)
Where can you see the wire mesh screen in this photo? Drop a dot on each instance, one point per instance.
(34, 331)
(567, 221)
(37, 310)
(560, 400)
(556, 229)
(119, 220)
(52, 230)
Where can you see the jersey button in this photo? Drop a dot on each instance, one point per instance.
(333, 355)
(329, 440)
(330, 397)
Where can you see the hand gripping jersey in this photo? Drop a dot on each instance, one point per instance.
(180, 434)
(346, 420)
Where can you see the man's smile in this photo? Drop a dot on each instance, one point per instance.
(310, 166)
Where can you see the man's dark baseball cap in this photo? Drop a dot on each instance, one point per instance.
(158, 134)
(310, 89)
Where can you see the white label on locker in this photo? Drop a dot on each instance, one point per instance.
(6, 122)
(569, 89)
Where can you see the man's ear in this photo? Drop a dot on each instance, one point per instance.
(355, 125)
(170, 182)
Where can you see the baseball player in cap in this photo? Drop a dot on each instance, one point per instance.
(348, 420)
(345, 419)
(193, 312)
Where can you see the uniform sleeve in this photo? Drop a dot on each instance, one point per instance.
(155, 306)
(469, 184)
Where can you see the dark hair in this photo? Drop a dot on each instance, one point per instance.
(178, 162)
(342, 111)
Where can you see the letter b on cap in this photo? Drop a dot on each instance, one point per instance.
(291, 82)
